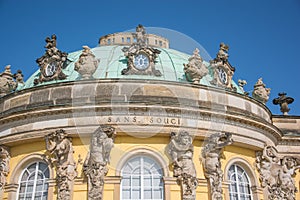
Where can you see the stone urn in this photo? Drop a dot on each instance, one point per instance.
(7, 84)
(87, 63)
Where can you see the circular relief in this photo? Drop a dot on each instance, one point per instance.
(141, 62)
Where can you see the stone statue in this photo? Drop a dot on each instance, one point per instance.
(7, 84)
(140, 35)
(260, 92)
(195, 69)
(222, 69)
(87, 63)
(242, 83)
(283, 101)
(98, 157)
(181, 151)
(51, 63)
(61, 150)
(276, 174)
(140, 56)
(19, 77)
(223, 53)
(211, 154)
(4, 165)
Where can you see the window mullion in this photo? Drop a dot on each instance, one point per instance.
(237, 182)
(142, 177)
(35, 180)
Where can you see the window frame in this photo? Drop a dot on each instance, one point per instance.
(151, 153)
(256, 190)
(36, 173)
(237, 183)
(142, 177)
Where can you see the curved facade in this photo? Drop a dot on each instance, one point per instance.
(140, 134)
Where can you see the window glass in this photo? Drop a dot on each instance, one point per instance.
(142, 179)
(240, 187)
(33, 182)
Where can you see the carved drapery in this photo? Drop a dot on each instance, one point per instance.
(4, 165)
(211, 154)
(276, 173)
(98, 157)
(181, 150)
(61, 155)
(195, 70)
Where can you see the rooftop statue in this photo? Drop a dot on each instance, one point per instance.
(283, 101)
(7, 84)
(87, 63)
(140, 56)
(195, 70)
(241, 84)
(181, 151)
(260, 92)
(51, 62)
(222, 69)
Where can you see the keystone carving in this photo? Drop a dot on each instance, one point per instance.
(277, 174)
(260, 92)
(94, 166)
(222, 69)
(283, 101)
(181, 150)
(59, 145)
(140, 57)
(4, 165)
(195, 70)
(87, 63)
(211, 154)
(51, 63)
(7, 84)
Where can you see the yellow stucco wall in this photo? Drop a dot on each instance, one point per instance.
(125, 144)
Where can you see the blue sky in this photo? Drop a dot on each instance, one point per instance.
(264, 36)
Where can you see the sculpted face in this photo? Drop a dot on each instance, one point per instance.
(185, 139)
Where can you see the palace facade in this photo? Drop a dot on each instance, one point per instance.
(134, 119)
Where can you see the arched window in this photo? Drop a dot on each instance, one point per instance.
(142, 178)
(240, 186)
(33, 183)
